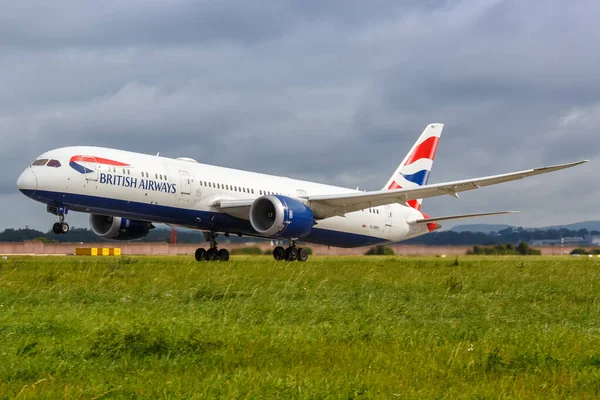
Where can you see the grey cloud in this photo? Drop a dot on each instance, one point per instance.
(116, 24)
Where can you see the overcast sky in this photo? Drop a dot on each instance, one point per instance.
(334, 91)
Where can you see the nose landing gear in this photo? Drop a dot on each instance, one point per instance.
(60, 227)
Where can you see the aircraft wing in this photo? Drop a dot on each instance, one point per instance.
(235, 208)
(325, 206)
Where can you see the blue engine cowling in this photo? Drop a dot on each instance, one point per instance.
(117, 228)
(281, 216)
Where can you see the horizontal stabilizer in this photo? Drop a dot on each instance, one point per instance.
(447, 218)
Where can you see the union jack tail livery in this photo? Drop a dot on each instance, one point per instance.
(416, 166)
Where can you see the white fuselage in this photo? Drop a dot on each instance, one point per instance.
(183, 192)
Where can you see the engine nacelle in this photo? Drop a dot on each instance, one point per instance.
(117, 228)
(281, 216)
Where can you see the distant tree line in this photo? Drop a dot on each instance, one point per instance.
(582, 251)
(84, 235)
(509, 235)
(522, 249)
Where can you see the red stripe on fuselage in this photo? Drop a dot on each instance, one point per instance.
(98, 160)
(431, 226)
(412, 203)
(426, 149)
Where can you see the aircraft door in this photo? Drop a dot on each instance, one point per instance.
(91, 168)
(186, 185)
(387, 210)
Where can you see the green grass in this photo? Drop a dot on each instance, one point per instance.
(346, 327)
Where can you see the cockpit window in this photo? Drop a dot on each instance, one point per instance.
(53, 163)
(40, 162)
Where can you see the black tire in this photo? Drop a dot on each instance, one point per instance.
(223, 255)
(291, 254)
(64, 227)
(279, 253)
(200, 254)
(56, 228)
(302, 255)
(212, 254)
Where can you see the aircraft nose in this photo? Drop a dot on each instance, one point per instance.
(27, 182)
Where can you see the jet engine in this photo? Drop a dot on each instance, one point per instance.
(117, 228)
(281, 216)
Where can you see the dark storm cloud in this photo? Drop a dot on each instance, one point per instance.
(152, 23)
(332, 91)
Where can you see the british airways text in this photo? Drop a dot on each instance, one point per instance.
(144, 184)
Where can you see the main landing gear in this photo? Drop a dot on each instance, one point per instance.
(212, 254)
(292, 253)
(60, 227)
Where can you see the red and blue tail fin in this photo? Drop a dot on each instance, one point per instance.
(416, 166)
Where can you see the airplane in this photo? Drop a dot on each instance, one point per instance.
(126, 192)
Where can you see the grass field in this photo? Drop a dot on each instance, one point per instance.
(355, 327)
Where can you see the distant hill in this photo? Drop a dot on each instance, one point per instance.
(488, 228)
(589, 225)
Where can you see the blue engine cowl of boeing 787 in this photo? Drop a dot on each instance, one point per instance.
(116, 228)
(281, 216)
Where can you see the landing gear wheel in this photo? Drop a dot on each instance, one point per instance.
(279, 253)
(212, 254)
(56, 228)
(223, 255)
(302, 255)
(200, 254)
(291, 254)
(64, 227)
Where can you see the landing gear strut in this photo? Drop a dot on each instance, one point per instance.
(292, 253)
(212, 254)
(60, 227)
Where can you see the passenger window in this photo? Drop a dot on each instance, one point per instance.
(252, 191)
(53, 163)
